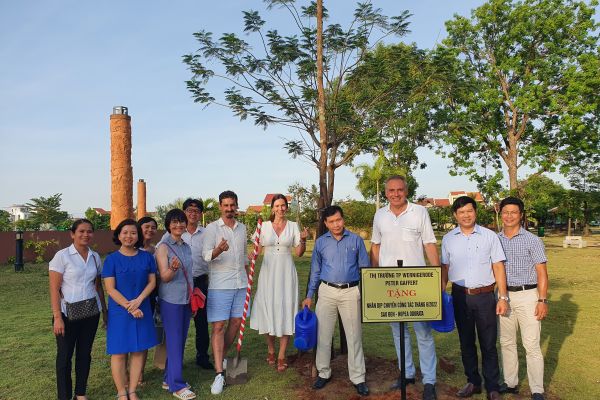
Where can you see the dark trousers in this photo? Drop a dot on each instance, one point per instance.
(79, 336)
(475, 316)
(176, 321)
(201, 323)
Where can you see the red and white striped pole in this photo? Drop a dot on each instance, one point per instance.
(250, 280)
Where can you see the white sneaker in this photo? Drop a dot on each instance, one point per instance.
(218, 385)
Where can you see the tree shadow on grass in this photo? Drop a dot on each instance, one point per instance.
(559, 325)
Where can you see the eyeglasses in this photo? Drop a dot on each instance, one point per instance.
(176, 222)
(511, 213)
(190, 210)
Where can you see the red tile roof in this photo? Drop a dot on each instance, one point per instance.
(256, 209)
(101, 211)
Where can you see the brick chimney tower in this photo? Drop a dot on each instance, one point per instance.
(141, 199)
(121, 173)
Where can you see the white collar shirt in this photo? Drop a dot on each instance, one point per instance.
(228, 269)
(401, 237)
(200, 266)
(78, 275)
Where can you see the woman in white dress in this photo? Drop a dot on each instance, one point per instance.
(276, 299)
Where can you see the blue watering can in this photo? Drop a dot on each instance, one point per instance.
(447, 322)
(306, 330)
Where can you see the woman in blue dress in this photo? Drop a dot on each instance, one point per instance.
(129, 276)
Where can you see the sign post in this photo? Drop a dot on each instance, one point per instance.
(401, 294)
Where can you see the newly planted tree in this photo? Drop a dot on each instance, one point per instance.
(275, 79)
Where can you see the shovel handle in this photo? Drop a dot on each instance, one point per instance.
(250, 280)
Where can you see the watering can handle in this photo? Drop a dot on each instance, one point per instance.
(305, 312)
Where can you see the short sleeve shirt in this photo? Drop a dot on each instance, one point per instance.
(402, 237)
(470, 257)
(78, 275)
(228, 269)
(130, 272)
(523, 252)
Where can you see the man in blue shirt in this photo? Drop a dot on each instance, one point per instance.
(473, 260)
(336, 260)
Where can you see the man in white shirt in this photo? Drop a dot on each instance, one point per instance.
(194, 236)
(224, 249)
(401, 231)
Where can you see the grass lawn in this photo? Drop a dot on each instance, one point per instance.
(570, 340)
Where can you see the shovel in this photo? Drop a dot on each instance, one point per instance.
(237, 368)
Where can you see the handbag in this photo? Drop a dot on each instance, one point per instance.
(84, 308)
(197, 298)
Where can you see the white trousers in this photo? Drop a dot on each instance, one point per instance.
(347, 303)
(521, 317)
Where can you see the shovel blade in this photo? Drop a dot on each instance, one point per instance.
(237, 371)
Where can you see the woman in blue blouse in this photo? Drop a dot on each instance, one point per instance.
(129, 276)
(174, 258)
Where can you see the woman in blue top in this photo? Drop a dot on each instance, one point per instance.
(174, 258)
(129, 276)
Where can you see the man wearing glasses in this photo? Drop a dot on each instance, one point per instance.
(194, 236)
(527, 280)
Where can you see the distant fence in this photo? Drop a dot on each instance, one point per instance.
(102, 243)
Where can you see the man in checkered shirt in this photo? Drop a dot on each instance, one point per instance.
(527, 280)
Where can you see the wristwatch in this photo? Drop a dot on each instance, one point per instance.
(545, 301)
(503, 298)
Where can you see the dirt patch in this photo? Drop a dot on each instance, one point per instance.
(381, 374)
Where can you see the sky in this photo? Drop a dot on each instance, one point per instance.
(66, 64)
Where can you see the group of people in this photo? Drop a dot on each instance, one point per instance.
(498, 282)
(146, 282)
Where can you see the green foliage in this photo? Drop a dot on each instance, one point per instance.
(26, 225)
(162, 210)
(275, 83)
(541, 194)
(585, 179)
(211, 210)
(46, 211)
(441, 218)
(5, 221)
(100, 222)
(39, 248)
(371, 179)
(391, 89)
(305, 204)
(357, 214)
(516, 87)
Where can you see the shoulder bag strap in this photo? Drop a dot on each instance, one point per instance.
(184, 271)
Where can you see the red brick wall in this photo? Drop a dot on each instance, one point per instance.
(102, 243)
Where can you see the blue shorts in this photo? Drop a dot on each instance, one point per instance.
(223, 304)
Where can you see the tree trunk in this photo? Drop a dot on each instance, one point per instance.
(511, 163)
(324, 200)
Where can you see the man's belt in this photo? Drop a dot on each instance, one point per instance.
(341, 285)
(479, 290)
(521, 287)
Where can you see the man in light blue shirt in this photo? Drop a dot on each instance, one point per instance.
(473, 260)
(335, 272)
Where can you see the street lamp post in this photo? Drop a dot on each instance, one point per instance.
(19, 252)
